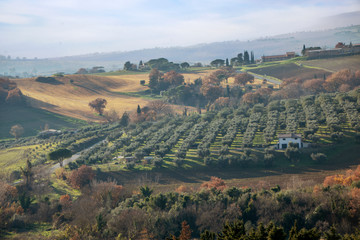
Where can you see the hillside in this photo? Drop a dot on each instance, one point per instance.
(335, 64)
(205, 53)
(289, 70)
(72, 97)
(33, 120)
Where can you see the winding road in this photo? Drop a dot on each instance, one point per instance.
(73, 157)
(262, 77)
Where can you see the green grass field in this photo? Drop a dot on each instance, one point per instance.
(12, 159)
(33, 120)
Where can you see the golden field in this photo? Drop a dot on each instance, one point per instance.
(72, 99)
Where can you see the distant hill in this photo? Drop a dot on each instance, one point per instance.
(199, 53)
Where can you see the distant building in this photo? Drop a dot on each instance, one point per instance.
(285, 139)
(340, 50)
(288, 55)
(49, 133)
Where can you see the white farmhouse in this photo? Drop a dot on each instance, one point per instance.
(285, 139)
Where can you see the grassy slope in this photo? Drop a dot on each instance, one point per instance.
(290, 70)
(335, 64)
(32, 120)
(305, 69)
(71, 99)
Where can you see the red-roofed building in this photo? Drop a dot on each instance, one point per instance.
(288, 55)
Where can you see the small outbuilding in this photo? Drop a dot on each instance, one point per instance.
(48, 133)
(285, 139)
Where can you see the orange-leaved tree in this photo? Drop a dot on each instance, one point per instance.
(214, 182)
(81, 176)
(243, 78)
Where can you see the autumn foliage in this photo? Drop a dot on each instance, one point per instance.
(80, 177)
(340, 78)
(341, 81)
(65, 201)
(343, 179)
(215, 182)
(243, 79)
(103, 192)
(174, 78)
(8, 205)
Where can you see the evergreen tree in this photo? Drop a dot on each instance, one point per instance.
(246, 57)
(227, 62)
(332, 234)
(252, 57)
(207, 235)
(234, 230)
(240, 58)
(125, 119)
(303, 50)
(138, 109)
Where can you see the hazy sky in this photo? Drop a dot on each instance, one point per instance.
(48, 28)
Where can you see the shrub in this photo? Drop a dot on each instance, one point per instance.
(318, 157)
(179, 162)
(158, 162)
(80, 177)
(214, 182)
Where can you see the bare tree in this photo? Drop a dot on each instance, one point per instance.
(111, 116)
(160, 107)
(17, 130)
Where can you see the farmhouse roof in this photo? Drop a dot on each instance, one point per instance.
(289, 135)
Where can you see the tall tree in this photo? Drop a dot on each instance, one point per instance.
(223, 74)
(127, 66)
(252, 57)
(303, 50)
(243, 78)
(138, 110)
(27, 173)
(98, 105)
(154, 77)
(240, 58)
(125, 119)
(227, 62)
(217, 63)
(185, 65)
(174, 78)
(246, 57)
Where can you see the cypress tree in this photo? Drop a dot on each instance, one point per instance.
(252, 57)
(246, 57)
(138, 109)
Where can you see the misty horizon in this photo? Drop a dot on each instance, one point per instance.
(66, 28)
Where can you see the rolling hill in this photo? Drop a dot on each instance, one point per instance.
(72, 97)
(198, 53)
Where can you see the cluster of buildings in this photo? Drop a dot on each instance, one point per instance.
(340, 49)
